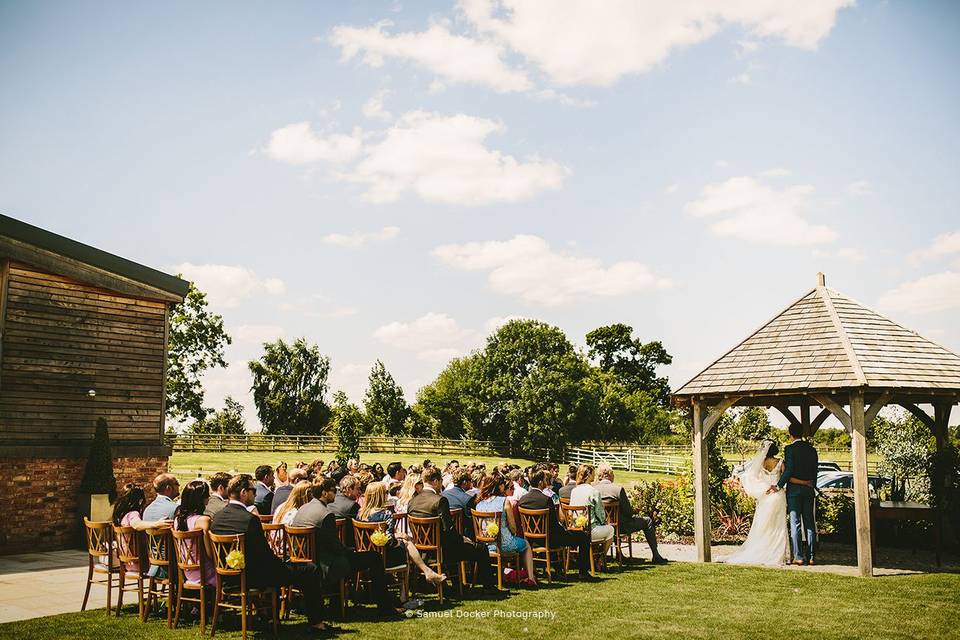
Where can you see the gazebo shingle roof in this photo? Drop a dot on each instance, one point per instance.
(827, 341)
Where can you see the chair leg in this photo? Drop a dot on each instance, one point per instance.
(86, 594)
(275, 613)
(122, 580)
(499, 573)
(169, 604)
(216, 608)
(243, 615)
(203, 609)
(343, 599)
(176, 615)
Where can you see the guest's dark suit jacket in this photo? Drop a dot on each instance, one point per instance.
(264, 499)
(536, 499)
(428, 504)
(566, 490)
(457, 498)
(328, 553)
(280, 496)
(263, 568)
(344, 507)
(215, 505)
(800, 462)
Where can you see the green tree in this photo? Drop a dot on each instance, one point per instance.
(614, 349)
(386, 408)
(195, 344)
(289, 388)
(228, 420)
(450, 404)
(741, 429)
(905, 445)
(348, 425)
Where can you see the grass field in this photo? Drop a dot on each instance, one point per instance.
(186, 465)
(679, 600)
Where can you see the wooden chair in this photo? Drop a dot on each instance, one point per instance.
(570, 515)
(99, 546)
(425, 534)
(400, 523)
(458, 524)
(564, 500)
(188, 546)
(480, 521)
(265, 518)
(276, 537)
(612, 507)
(535, 524)
(361, 538)
(128, 545)
(300, 550)
(159, 553)
(232, 584)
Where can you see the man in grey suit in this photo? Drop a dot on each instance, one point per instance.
(345, 505)
(218, 493)
(629, 523)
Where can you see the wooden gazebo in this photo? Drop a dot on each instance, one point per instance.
(833, 353)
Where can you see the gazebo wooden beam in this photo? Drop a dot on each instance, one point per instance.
(716, 411)
(784, 409)
(833, 407)
(876, 406)
(861, 486)
(701, 487)
(817, 422)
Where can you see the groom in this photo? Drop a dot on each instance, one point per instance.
(799, 473)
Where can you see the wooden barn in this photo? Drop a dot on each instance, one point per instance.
(83, 335)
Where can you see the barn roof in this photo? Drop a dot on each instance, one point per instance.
(827, 341)
(21, 232)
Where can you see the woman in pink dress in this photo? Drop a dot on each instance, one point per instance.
(126, 513)
(189, 516)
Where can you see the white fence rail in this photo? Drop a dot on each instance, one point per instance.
(628, 460)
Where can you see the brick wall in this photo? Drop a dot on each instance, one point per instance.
(38, 498)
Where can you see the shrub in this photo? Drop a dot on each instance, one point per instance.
(672, 501)
(98, 475)
(734, 511)
(943, 470)
(835, 515)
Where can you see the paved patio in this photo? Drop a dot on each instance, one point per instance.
(55, 580)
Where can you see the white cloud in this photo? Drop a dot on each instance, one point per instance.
(759, 213)
(455, 58)
(852, 254)
(350, 378)
(775, 172)
(357, 239)
(493, 324)
(746, 47)
(256, 333)
(226, 286)
(526, 266)
(430, 331)
(298, 143)
(373, 108)
(439, 355)
(860, 188)
(671, 189)
(937, 292)
(597, 43)
(945, 244)
(343, 312)
(741, 78)
(234, 380)
(444, 159)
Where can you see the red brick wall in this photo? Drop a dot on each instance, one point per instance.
(38, 498)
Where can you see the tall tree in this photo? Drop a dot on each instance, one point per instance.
(348, 425)
(614, 349)
(228, 420)
(290, 386)
(450, 404)
(385, 406)
(741, 429)
(196, 343)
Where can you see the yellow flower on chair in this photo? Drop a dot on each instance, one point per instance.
(379, 538)
(492, 529)
(235, 559)
(581, 522)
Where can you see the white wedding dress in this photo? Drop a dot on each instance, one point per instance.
(766, 544)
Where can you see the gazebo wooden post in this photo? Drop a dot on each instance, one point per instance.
(701, 485)
(861, 487)
(805, 418)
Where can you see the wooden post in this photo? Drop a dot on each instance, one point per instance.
(701, 486)
(861, 488)
(805, 418)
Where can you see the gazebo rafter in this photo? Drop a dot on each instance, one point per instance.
(829, 351)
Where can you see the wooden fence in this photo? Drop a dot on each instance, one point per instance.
(328, 444)
(628, 460)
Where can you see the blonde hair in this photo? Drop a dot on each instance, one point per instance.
(409, 489)
(299, 496)
(584, 474)
(374, 499)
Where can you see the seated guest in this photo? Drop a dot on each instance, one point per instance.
(448, 471)
(364, 478)
(263, 568)
(492, 499)
(411, 487)
(190, 516)
(329, 550)
(516, 477)
(400, 546)
(548, 490)
(430, 504)
(218, 492)
(264, 499)
(629, 523)
(345, 505)
(280, 476)
(586, 495)
(281, 494)
(395, 472)
(378, 471)
(559, 536)
(555, 474)
(570, 483)
(299, 496)
(353, 466)
(167, 488)
(458, 497)
(393, 491)
(126, 513)
(476, 479)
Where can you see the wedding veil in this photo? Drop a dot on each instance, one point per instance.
(754, 479)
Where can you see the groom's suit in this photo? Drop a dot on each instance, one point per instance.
(800, 463)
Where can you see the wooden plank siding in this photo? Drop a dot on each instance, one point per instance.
(62, 338)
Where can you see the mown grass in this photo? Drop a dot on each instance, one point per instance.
(680, 600)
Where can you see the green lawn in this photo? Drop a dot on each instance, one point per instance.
(186, 464)
(680, 600)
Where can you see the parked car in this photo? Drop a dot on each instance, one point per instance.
(843, 480)
(827, 466)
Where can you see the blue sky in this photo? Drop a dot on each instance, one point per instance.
(392, 180)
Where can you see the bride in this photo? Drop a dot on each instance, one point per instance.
(766, 544)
